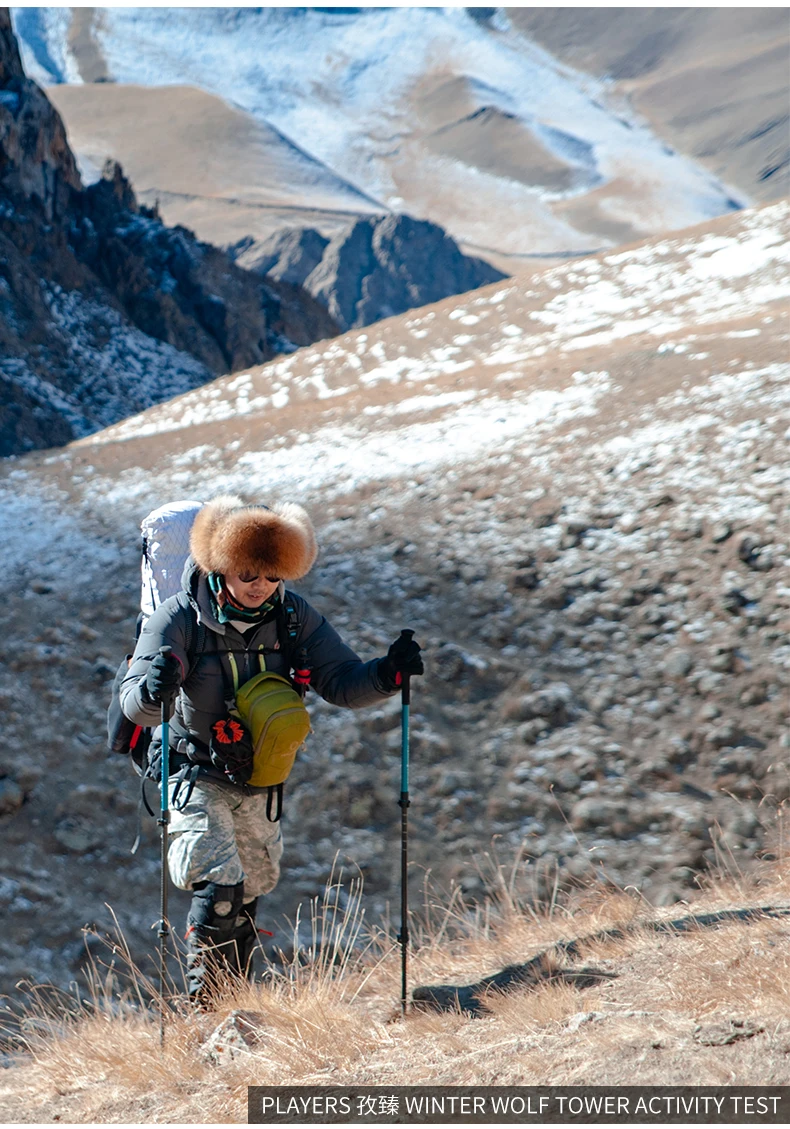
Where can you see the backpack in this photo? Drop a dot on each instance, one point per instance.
(165, 548)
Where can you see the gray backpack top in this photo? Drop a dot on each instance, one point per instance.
(165, 550)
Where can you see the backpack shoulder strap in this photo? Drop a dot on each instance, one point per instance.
(288, 624)
(190, 631)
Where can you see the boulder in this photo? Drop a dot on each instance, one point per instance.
(678, 664)
(11, 796)
(596, 813)
(725, 1033)
(754, 695)
(78, 834)
(524, 579)
(553, 705)
(237, 1037)
(531, 731)
(755, 552)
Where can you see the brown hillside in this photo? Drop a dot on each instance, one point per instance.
(712, 81)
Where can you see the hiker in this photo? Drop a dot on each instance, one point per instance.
(225, 836)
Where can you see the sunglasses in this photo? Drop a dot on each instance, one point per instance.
(251, 579)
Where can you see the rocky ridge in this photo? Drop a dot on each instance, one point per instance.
(374, 268)
(37, 160)
(573, 485)
(104, 309)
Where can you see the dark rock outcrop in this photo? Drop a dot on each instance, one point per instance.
(104, 310)
(171, 286)
(290, 256)
(35, 159)
(375, 268)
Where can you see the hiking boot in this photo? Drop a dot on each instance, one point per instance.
(213, 951)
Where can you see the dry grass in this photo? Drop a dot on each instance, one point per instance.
(332, 1017)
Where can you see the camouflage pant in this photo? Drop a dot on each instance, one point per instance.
(224, 837)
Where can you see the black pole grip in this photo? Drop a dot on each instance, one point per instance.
(406, 634)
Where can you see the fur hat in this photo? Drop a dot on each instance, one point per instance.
(229, 536)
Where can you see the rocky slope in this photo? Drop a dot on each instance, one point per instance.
(374, 268)
(572, 484)
(104, 309)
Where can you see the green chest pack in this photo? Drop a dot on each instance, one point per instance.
(279, 723)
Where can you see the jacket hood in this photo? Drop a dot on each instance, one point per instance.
(231, 537)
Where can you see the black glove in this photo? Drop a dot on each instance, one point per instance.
(162, 679)
(230, 749)
(402, 658)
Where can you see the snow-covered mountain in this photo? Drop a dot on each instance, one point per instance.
(453, 115)
(572, 484)
(106, 310)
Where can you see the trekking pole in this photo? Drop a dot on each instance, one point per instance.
(403, 936)
(164, 821)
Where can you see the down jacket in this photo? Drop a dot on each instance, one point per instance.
(337, 673)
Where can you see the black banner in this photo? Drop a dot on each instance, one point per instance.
(519, 1105)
